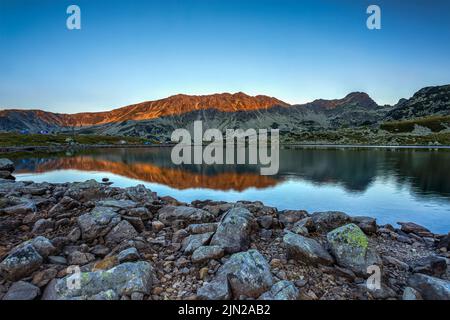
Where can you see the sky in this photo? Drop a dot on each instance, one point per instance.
(132, 51)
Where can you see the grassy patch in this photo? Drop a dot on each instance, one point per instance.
(18, 140)
(434, 123)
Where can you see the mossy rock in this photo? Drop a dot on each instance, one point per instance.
(352, 250)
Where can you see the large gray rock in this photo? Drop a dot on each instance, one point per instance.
(170, 214)
(43, 246)
(411, 294)
(352, 250)
(410, 227)
(21, 262)
(23, 207)
(123, 231)
(6, 175)
(6, 165)
(118, 204)
(329, 220)
(206, 253)
(234, 230)
(430, 288)
(141, 194)
(42, 225)
(432, 265)
(202, 227)
(244, 274)
(124, 279)
(22, 291)
(191, 243)
(282, 290)
(306, 250)
(98, 222)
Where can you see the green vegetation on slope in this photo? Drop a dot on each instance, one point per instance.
(18, 140)
(434, 123)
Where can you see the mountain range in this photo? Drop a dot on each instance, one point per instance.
(157, 119)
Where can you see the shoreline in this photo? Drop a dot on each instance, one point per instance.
(55, 149)
(188, 251)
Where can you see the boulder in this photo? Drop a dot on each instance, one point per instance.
(128, 255)
(329, 220)
(25, 206)
(202, 228)
(234, 230)
(411, 294)
(410, 227)
(265, 221)
(170, 214)
(244, 274)
(431, 265)
(6, 175)
(121, 232)
(43, 246)
(206, 253)
(117, 204)
(42, 225)
(366, 224)
(124, 279)
(98, 222)
(6, 165)
(192, 242)
(306, 250)
(80, 258)
(444, 242)
(351, 249)
(282, 290)
(21, 262)
(289, 217)
(430, 288)
(22, 291)
(141, 194)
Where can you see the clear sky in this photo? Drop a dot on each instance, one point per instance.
(133, 51)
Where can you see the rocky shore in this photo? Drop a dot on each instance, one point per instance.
(90, 240)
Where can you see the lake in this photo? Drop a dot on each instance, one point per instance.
(390, 184)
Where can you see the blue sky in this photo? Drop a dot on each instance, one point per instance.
(297, 51)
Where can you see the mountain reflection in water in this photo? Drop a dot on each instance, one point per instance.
(389, 184)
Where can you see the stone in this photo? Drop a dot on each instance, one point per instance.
(411, 294)
(21, 262)
(431, 265)
(106, 264)
(169, 214)
(141, 194)
(100, 250)
(42, 278)
(282, 290)
(234, 230)
(329, 220)
(305, 223)
(191, 243)
(6, 175)
(430, 288)
(444, 242)
(265, 221)
(42, 225)
(203, 273)
(202, 228)
(157, 226)
(22, 208)
(22, 291)
(367, 224)
(121, 232)
(59, 260)
(124, 279)
(43, 246)
(6, 165)
(128, 255)
(289, 217)
(306, 250)
(244, 274)
(98, 222)
(117, 204)
(410, 227)
(206, 253)
(351, 249)
(80, 258)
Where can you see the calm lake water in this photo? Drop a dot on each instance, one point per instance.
(389, 184)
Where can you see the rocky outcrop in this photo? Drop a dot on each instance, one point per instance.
(352, 250)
